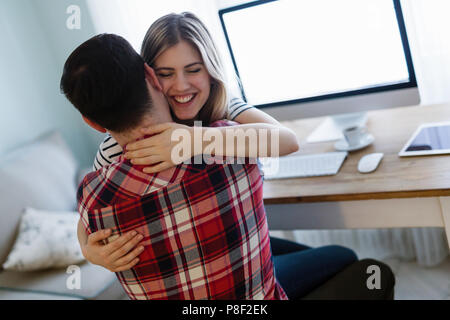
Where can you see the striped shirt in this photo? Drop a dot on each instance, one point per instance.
(204, 226)
(109, 150)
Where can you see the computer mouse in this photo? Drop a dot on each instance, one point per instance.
(369, 162)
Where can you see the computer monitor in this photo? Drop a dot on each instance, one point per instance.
(311, 58)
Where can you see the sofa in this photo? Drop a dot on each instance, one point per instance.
(44, 175)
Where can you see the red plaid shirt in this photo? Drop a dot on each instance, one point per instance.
(205, 229)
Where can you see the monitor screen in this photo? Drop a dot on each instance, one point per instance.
(293, 51)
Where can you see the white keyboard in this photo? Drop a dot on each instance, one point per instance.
(322, 164)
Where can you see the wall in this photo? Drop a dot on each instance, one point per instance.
(428, 32)
(35, 44)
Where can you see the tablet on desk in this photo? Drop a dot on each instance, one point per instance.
(428, 139)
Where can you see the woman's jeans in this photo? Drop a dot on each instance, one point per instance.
(300, 269)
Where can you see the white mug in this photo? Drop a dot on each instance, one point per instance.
(354, 134)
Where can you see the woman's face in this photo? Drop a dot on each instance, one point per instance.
(184, 78)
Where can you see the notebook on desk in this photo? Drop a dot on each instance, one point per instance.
(298, 166)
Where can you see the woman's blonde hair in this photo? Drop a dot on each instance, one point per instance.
(168, 31)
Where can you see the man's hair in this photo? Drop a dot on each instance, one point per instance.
(104, 78)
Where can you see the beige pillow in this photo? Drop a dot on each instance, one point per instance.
(47, 239)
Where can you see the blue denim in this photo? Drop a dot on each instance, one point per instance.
(300, 269)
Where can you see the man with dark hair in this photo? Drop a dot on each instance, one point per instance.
(108, 82)
(204, 226)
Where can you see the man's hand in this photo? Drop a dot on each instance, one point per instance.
(118, 255)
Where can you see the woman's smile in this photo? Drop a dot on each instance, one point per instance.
(184, 99)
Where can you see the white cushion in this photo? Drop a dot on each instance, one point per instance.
(46, 239)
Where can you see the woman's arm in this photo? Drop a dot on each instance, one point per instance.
(82, 237)
(118, 255)
(259, 136)
(255, 120)
(251, 140)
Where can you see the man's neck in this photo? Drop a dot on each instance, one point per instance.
(127, 137)
(132, 135)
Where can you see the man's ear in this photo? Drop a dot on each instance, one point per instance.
(151, 77)
(94, 125)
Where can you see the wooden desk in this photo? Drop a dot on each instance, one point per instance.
(402, 192)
